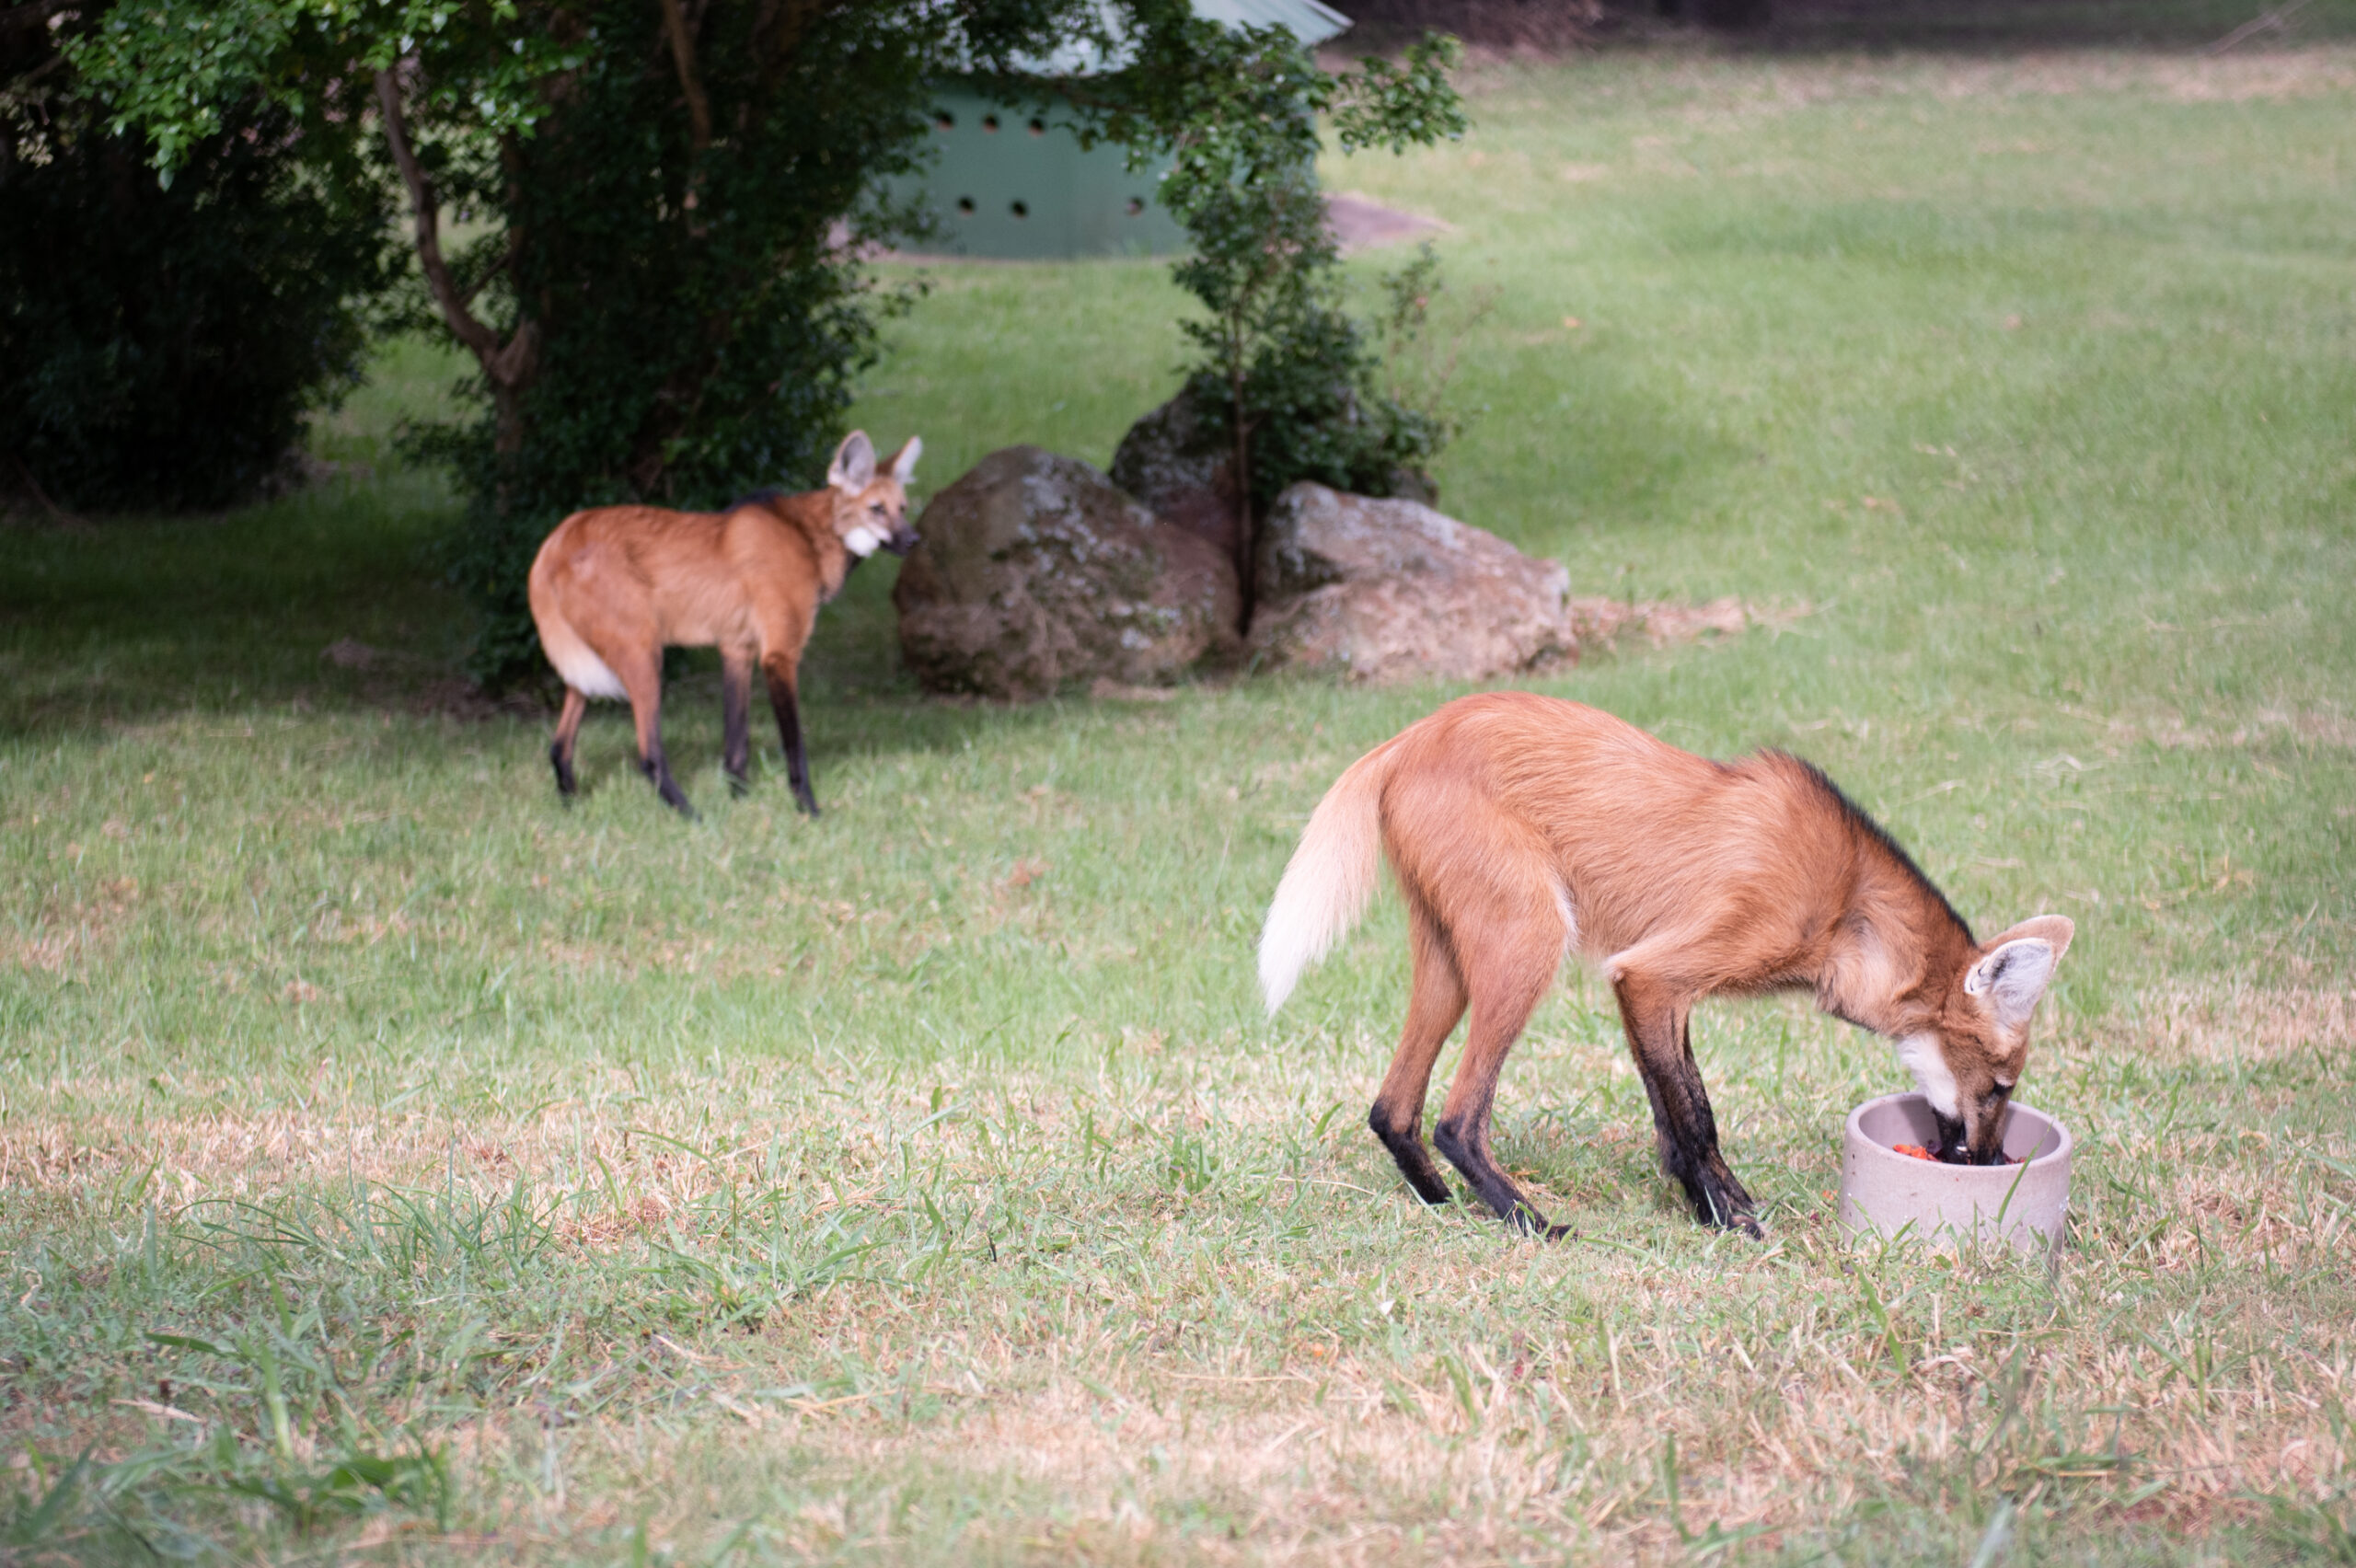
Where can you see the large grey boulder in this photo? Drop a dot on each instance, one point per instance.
(1390, 590)
(1034, 572)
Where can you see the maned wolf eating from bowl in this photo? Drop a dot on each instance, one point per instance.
(614, 586)
(1522, 828)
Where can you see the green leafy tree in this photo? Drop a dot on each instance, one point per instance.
(160, 342)
(661, 205)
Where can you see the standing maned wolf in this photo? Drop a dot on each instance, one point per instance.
(613, 587)
(1521, 829)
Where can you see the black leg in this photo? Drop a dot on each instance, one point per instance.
(568, 730)
(658, 768)
(788, 731)
(643, 678)
(1415, 1161)
(1517, 961)
(1724, 1200)
(1687, 1131)
(735, 724)
(1466, 1148)
(1433, 1008)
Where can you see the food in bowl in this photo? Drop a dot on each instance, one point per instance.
(1916, 1151)
(1893, 1193)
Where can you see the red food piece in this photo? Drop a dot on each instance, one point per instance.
(1916, 1151)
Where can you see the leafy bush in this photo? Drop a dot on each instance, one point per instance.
(1292, 375)
(161, 339)
(1324, 399)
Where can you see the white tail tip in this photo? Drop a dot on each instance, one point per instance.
(1326, 883)
(1284, 956)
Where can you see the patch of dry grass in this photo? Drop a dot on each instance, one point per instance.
(1176, 1289)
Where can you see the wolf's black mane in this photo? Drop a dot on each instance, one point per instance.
(1865, 825)
(768, 495)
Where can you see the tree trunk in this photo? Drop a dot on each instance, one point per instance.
(510, 366)
(1246, 543)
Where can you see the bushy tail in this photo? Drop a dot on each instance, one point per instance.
(567, 649)
(1330, 877)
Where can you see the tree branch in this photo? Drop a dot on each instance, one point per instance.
(508, 366)
(683, 54)
(34, 15)
(469, 329)
(489, 272)
(57, 514)
(55, 63)
(775, 36)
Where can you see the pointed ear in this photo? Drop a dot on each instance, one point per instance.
(853, 468)
(2054, 930)
(904, 461)
(2018, 965)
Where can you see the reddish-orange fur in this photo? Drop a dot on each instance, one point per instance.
(1521, 828)
(612, 587)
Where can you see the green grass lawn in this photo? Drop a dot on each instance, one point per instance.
(394, 1165)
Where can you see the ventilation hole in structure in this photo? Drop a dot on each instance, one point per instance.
(1038, 127)
(990, 121)
(944, 120)
(1020, 209)
(965, 206)
(1136, 205)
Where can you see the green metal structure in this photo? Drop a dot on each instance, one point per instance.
(1010, 182)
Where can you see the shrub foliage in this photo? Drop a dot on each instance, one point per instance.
(160, 339)
(1293, 377)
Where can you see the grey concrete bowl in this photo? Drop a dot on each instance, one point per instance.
(1883, 1192)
